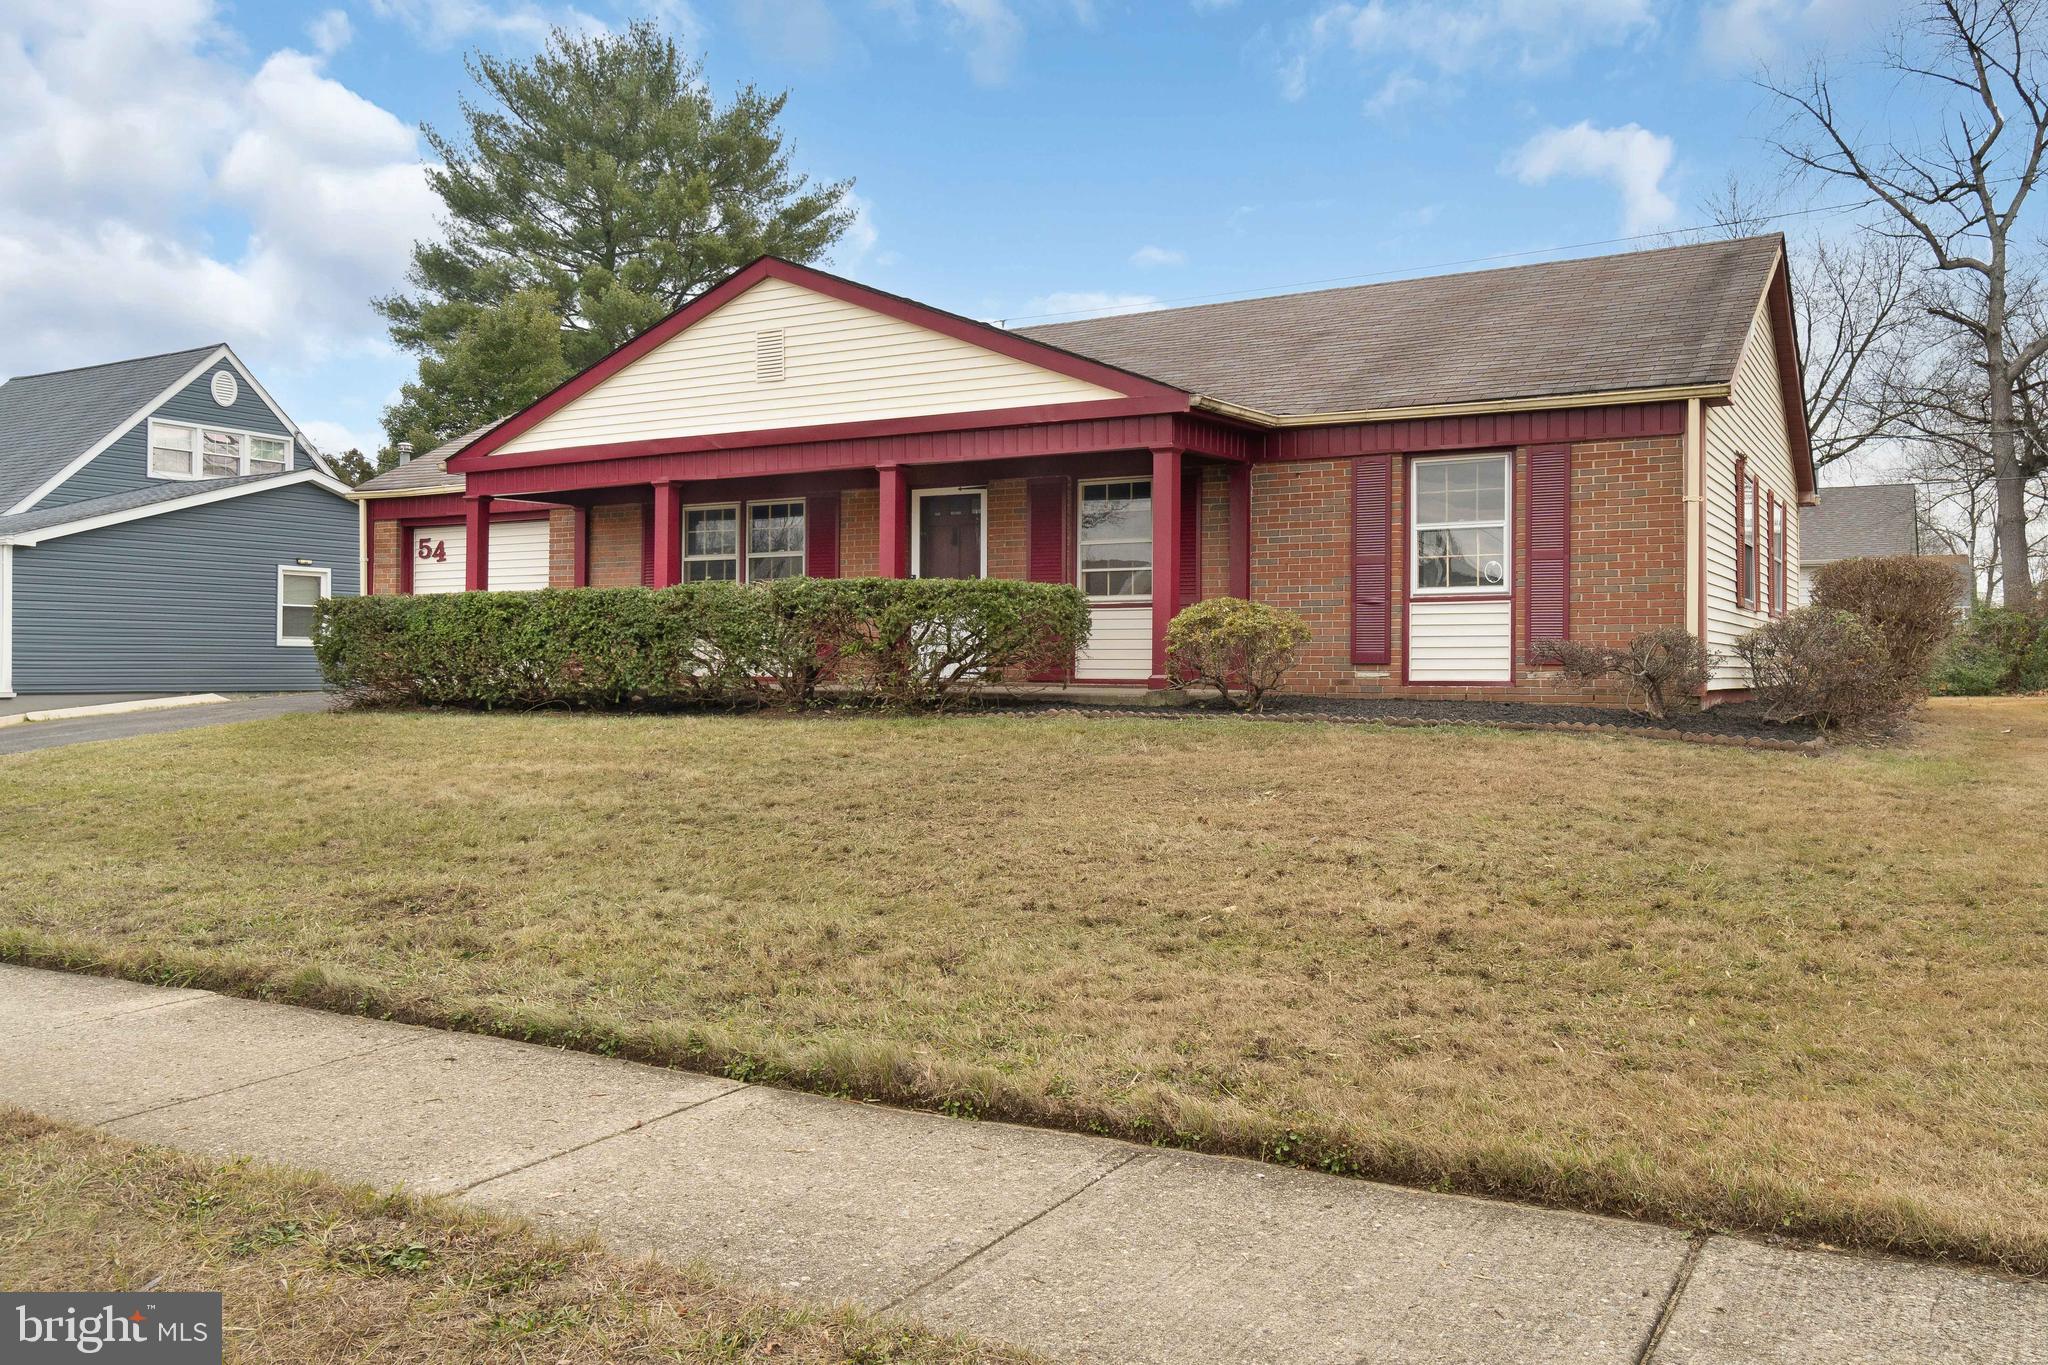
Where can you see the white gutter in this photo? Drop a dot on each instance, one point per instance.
(1694, 512)
(6, 620)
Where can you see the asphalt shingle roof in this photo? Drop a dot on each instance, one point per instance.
(1853, 521)
(424, 472)
(46, 420)
(1644, 320)
(37, 518)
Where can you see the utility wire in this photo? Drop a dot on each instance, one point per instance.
(1441, 265)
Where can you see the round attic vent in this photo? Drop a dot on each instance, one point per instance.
(225, 389)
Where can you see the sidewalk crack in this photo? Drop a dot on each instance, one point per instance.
(258, 1080)
(1693, 1248)
(1005, 1236)
(633, 1127)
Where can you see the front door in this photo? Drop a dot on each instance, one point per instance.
(948, 535)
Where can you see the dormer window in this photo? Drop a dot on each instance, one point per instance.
(178, 451)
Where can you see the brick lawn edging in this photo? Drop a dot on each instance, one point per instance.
(1811, 748)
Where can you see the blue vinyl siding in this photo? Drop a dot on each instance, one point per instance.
(181, 602)
(125, 464)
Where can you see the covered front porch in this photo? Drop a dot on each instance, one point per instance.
(1142, 532)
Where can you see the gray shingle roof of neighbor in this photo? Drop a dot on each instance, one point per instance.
(424, 472)
(46, 420)
(1672, 317)
(38, 518)
(1852, 521)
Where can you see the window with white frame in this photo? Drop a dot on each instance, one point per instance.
(1746, 491)
(1116, 538)
(181, 451)
(775, 540)
(711, 544)
(1460, 525)
(298, 590)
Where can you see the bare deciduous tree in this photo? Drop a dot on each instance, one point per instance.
(1955, 198)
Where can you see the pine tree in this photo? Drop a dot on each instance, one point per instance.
(604, 185)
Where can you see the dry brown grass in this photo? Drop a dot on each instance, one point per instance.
(1743, 990)
(312, 1272)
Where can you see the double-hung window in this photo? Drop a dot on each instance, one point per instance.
(1116, 539)
(1460, 522)
(1778, 603)
(297, 592)
(711, 544)
(1745, 522)
(181, 451)
(775, 540)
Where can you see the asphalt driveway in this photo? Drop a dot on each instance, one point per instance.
(50, 734)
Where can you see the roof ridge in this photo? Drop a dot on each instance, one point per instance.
(1777, 237)
(110, 364)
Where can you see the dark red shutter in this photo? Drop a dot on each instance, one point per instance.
(647, 544)
(1046, 509)
(821, 535)
(1372, 559)
(1549, 522)
(1191, 537)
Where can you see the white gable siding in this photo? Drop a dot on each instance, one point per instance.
(1751, 424)
(839, 363)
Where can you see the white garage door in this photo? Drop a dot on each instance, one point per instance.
(519, 556)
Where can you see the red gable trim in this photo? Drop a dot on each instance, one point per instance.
(1791, 380)
(774, 267)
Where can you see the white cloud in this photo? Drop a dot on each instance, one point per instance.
(330, 32)
(1066, 305)
(1736, 34)
(444, 22)
(333, 438)
(992, 34)
(1459, 36)
(1631, 158)
(1395, 91)
(154, 195)
(1149, 256)
(805, 32)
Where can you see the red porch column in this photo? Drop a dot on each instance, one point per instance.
(892, 558)
(476, 525)
(1241, 530)
(1166, 467)
(668, 533)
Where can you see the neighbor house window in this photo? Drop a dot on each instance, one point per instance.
(1116, 538)
(775, 540)
(297, 592)
(711, 544)
(1460, 522)
(177, 451)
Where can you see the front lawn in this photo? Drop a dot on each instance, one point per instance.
(311, 1272)
(1747, 990)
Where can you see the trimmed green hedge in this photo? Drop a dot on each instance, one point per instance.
(903, 642)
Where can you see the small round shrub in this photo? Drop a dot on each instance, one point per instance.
(1909, 601)
(1663, 668)
(1240, 648)
(1825, 666)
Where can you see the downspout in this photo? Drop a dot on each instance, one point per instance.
(1695, 514)
(6, 619)
(362, 547)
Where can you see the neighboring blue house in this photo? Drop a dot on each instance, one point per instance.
(164, 527)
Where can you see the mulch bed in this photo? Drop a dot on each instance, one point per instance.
(1733, 724)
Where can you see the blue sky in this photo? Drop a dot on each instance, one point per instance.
(181, 171)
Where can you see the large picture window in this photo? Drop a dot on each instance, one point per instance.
(711, 544)
(775, 540)
(178, 451)
(1116, 539)
(1460, 521)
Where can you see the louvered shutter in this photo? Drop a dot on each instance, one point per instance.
(821, 535)
(1046, 510)
(1190, 538)
(1372, 532)
(1549, 523)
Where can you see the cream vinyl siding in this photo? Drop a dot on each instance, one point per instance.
(1457, 640)
(519, 557)
(839, 363)
(1119, 646)
(1751, 423)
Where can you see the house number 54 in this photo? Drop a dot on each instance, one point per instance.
(434, 549)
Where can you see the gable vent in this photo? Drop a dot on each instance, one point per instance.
(770, 355)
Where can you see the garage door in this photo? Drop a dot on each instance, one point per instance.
(519, 556)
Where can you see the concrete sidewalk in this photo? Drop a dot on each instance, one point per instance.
(1083, 1248)
(88, 729)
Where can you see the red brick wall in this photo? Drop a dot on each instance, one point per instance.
(562, 548)
(385, 546)
(1627, 564)
(614, 544)
(1215, 535)
(1009, 530)
(859, 532)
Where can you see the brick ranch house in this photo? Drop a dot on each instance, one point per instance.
(1434, 473)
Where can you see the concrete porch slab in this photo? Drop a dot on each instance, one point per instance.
(435, 1114)
(1751, 1304)
(1176, 1258)
(826, 1198)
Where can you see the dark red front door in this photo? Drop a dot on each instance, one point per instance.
(949, 535)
